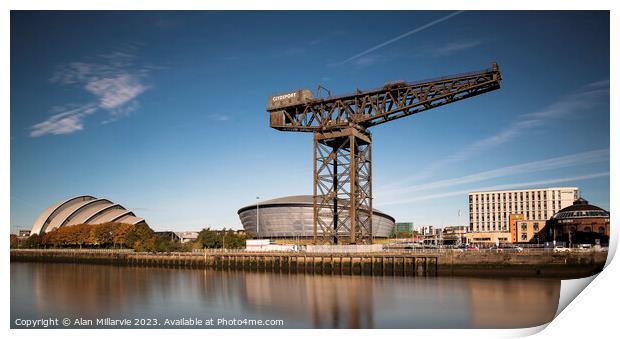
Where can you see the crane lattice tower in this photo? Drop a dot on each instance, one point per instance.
(343, 143)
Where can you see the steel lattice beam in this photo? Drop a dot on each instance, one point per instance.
(342, 187)
(374, 107)
(342, 143)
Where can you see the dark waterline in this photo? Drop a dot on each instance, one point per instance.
(43, 290)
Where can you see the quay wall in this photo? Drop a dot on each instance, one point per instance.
(559, 265)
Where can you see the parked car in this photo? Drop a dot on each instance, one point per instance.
(496, 248)
(508, 247)
(472, 248)
(561, 249)
(513, 248)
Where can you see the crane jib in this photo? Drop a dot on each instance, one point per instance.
(342, 196)
(300, 111)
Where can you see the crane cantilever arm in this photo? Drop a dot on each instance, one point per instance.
(392, 101)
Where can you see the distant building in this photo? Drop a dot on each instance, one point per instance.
(487, 238)
(83, 209)
(512, 224)
(427, 230)
(186, 236)
(24, 233)
(580, 223)
(454, 235)
(528, 231)
(293, 216)
(181, 237)
(490, 211)
(403, 227)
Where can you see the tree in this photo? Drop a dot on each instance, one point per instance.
(33, 241)
(13, 241)
(208, 238)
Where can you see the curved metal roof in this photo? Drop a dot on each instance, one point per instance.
(109, 215)
(581, 209)
(49, 213)
(296, 201)
(83, 209)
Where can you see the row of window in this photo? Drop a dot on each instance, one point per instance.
(514, 195)
(493, 206)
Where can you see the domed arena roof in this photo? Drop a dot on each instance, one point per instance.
(581, 209)
(296, 200)
(293, 216)
(83, 209)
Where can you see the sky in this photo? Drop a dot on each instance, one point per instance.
(164, 112)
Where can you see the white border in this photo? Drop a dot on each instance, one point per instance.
(590, 314)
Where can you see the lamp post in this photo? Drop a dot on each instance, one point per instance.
(257, 219)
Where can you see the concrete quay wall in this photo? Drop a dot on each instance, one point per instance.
(559, 265)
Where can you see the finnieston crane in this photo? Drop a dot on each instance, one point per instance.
(343, 143)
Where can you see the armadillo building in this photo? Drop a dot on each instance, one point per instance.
(83, 209)
(293, 216)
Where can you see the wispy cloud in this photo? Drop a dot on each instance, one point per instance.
(65, 122)
(568, 107)
(456, 46)
(113, 80)
(402, 36)
(577, 159)
(496, 187)
(219, 117)
(574, 104)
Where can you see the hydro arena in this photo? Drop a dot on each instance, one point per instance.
(293, 216)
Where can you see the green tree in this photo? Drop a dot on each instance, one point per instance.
(208, 238)
(33, 241)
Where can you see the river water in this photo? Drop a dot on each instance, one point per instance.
(148, 296)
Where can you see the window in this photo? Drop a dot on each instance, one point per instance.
(601, 230)
(523, 236)
(535, 227)
(587, 229)
(523, 227)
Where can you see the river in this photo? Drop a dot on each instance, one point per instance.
(172, 297)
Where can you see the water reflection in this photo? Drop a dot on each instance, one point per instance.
(302, 301)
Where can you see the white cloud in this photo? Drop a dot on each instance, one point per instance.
(495, 188)
(65, 122)
(578, 102)
(456, 46)
(116, 91)
(577, 159)
(219, 117)
(570, 106)
(114, 82)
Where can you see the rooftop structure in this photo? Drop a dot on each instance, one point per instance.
(83, 209)
(292, 216)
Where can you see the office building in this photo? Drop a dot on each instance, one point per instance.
(490, 211)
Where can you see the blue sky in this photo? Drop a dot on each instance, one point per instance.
(164, 112)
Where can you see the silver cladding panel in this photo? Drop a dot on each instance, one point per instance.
(296, 221)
